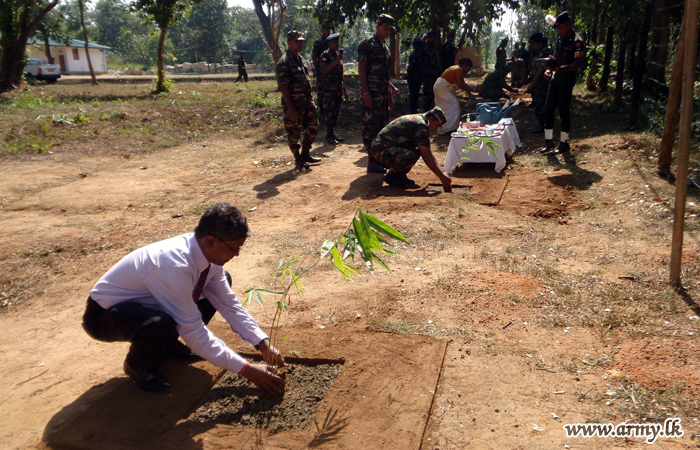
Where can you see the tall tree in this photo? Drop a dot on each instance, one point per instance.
(205, 33)
(52, 27)
(87, 44)
(18, 21)
(164, 13)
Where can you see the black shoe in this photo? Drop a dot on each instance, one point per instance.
(307, 158)
(548, 147)
(537, 130)
(300, 165)
(395, 180)
(331, 140)
(180, 352)
(406, 180)
(374, 167)
(147, 381)
(564, 147)
(338, 138)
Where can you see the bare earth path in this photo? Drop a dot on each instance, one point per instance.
(550, 301)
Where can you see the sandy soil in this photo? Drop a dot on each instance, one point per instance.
(474, 278)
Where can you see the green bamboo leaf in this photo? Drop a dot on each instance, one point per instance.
(295, 353)
(258, 297)
(249, 299)
(338, 263)
(381, 263)
(364, 241)
(327, 246)
(384, 228)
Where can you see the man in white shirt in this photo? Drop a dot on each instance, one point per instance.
(174, 287)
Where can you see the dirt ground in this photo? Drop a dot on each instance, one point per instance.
(551, 298)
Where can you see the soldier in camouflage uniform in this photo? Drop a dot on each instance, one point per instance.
(495, 82)
(399, 145)
(320, 46)
(297, 102)
(537, 83)
(431, 70)
(501, 54)
(374, 67)
(332, 86)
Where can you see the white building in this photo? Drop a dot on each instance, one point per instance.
(71, 58)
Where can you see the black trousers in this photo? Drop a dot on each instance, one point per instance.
(150, 331)
(242, 73)
(559, 96)
(413, 93)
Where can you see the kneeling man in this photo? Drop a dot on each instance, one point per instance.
(173, 288)
(399, 145)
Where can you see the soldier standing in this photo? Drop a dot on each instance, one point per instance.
(297, 101)
(448, 51)
(332, 86)
(242, 73)
(537, 83)
(431, 70)
(569, 57)
(374, 67)
(501, 54)
(415, 74)
(320, 46)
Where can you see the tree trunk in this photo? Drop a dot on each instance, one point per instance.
(606, 64)
(641, 61)
(672, 108)
(15, 45)
(621, 54)
(590, 81)
(660, 37)
(85, 36)
(160, 83)
(47, 47)
(631, 53)
(266, 25)
(596, 15)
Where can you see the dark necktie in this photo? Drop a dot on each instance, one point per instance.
(200, 284)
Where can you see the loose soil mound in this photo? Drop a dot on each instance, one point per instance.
(236, 400)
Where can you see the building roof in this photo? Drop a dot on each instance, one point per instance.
(72, 43)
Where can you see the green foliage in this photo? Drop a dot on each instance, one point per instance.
(474, 144)
(80, 117)
(162, 84)
(61, 119)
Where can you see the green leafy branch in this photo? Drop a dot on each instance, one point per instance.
(473, 144)
(366, 235)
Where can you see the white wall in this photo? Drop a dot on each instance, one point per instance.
(73, 66)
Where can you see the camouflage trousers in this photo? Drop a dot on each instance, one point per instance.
(307, 122)
(319, 90)
(399, 160)
(332, 99)
(374, 118)
(539, 98)
(428, 94)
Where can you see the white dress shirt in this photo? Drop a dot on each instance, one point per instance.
(163, 276)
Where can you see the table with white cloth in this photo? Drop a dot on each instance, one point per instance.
(504, 135)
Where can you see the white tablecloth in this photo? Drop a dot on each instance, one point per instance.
(508, 140)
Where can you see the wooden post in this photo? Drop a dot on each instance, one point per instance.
(690, 14)
(674, 100)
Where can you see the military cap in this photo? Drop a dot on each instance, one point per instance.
(562, 18)
(437, 112)
(385, 19)
(333, 37)
(294, 35)
(536, 38)
(325, 25)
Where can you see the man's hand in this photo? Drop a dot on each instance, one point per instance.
(446, 182)
(268, 382)
(391, 103)
(292, 114)
(271, 355)
(396, 90)
(367, 99)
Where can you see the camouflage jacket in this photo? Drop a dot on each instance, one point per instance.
(535, 65)
(410, 132)
(431, 64)
(320, 46)
(292, 72)
(493, 83)
(500, 58)
(376, 55)
(333, 80)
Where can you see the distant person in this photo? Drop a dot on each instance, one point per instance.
(445, 93)
(448, 51)
(569, 57)
(495, 82)
(414, 73)
(242, 73)
(431, 69)
(320, 46)
(297, 101)
(399, 145)
(537, 83)
(333, 86)
(173, 288)
(501, 54)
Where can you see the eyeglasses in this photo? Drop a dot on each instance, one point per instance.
(234, 250)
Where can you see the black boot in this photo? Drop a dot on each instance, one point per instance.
(147, 380)
(299, 163)
(329, 136)
(548, 146)
(337, 138)
(564, 147)
(395, 180)
(307, 158)
(373, 165)
(409, 182)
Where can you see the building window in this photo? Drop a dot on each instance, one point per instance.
(76, 55)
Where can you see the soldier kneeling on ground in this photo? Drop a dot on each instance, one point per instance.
(399, 145)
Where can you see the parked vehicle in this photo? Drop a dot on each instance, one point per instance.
(35, 70)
